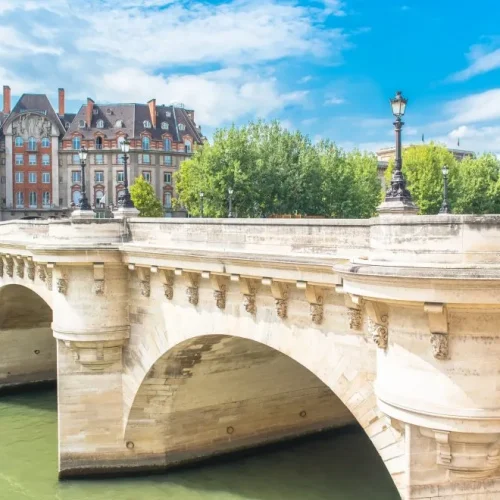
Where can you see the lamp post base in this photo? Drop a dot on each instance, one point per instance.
(82, 214)
(397, 207)
(125, 212)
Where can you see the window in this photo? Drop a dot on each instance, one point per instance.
(46, 199)
(67, 125)
(32, 177)
(168, 144)
(95, 111)
(168, 200)
(99, 159)
(168, 114)
(33, 200)
(168, 160)
(99, 176)
(32, 159)
(32, 144)
(187, 146)
(147, 176)
(181, 126)
(146, 159)
(147, 124)
(100, 124)
(76, 176)
(19, 142)
(99, 195)
(120, 159)
(77, 197)
(164, 125)
(120, 176)
(76, 143)
(119, 124)
(45, 142)
(120, 195)
(19, 177)
(81, 124)
(76, 159)
(98, 143)
(167, 177)
(19, 200)
(119, 142)
(46, 177)
(145, 143)
(19, 159)
(45, 160)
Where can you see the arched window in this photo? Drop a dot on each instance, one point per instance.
(167, 200)
(19, 142)
(187, 146)
(99, 194)
(19, 199)
(147, 124)
(46, 199)
(167, 144)
(100, 124)
(145, 143)
(119, 124)
(33, 199)
(81, 124)
(164, 125)
(45, 142)
(181, 126)
(98, 143)
(77, 195)
(32, 144)
(76, 143)
(119, 141)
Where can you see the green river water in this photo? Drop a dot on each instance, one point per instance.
(340, 465)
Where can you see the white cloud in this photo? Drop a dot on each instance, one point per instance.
(217, 97)
(478, 139)
(305, 79)
(482, 60)
(335, 7)
(481, 107)
(334, 101)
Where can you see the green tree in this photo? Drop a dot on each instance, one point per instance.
(144, 198)
(422, 167)
(274, 172)
(477, 186)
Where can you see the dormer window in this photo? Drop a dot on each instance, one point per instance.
(81, 124)
(119, 124)
(109, 112)
(76, 143)
(187, 146)
(168, 114)
(147, 124)
(95, 111)
(145, 143)
(181, 126)
(164, 125)
(100, 124)
(67, 125)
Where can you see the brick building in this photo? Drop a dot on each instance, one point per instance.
(40, 166)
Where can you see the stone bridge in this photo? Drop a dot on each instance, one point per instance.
(183, 339)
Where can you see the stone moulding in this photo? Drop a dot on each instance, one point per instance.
(168, 284)
(378, 322)
(62, 285)
(315, 298)
(248, 288)
(192, 291)
(9, 266)
(220, 290)
(1, 267)
(98, 286)
(30, 269)
(19, 265)
(437, 316)
(280, 293)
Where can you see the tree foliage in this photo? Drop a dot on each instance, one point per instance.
(273, 172)
(473, 183)
(144, 198)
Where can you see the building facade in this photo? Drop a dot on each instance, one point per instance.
(40, 165)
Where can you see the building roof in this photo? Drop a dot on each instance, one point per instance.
(130, 119)
(36, 103)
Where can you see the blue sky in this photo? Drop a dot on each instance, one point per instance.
(326, 67)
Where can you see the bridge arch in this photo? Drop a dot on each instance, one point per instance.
(212, 394)
(26, 342)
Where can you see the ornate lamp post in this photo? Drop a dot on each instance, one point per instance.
(230, 192)
(398, 198)
(445, 208)
(201, 203)
(84, 202)
(126, 201)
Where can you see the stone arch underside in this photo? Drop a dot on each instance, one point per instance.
(214, 394)
(26, 341)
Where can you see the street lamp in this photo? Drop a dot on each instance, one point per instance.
(230, 192)
(126, 201)
(445, 208)
(397, 197)
(201, 203)
(84, 202)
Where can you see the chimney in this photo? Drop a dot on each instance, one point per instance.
(6, 99)
(61, 102)
(89, 111)
(152, 111)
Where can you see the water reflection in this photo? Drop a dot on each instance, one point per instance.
(335, 466)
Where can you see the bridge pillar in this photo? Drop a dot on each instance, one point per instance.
(91, 328)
